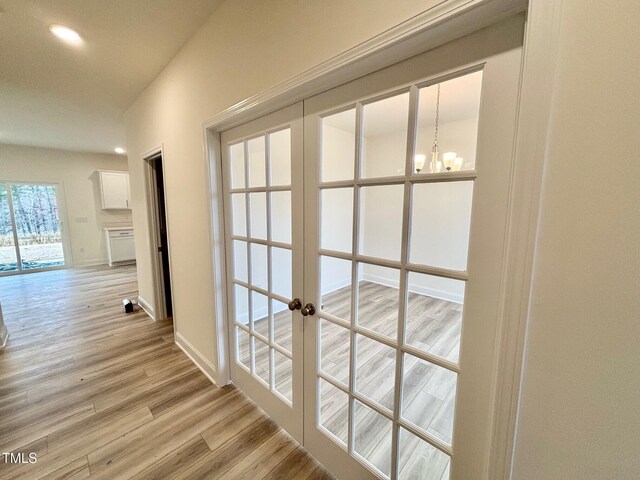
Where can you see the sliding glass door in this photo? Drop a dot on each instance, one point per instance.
(30, 228)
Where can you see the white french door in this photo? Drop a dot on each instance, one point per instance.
(395, 281)
(262, 183)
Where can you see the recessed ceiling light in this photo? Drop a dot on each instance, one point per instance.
(65, 33)
(120, 150)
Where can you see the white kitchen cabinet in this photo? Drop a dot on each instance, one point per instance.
(115, 191)
(120, 245)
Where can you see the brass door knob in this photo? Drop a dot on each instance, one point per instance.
(308, 309)
(295, 304)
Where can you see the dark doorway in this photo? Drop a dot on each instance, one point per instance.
(163, 244)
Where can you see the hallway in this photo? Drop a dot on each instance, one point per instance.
(96, 393)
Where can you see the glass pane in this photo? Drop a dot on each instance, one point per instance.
(337, 219)
(240, 261)
(280, 157)
(334, 410)
(281, 271)
(239, 214)
(282, 324)
(378, 298)
(259, 266)
(419, 459)
(434, 314)
(8, 257)
(335, 286)
(262, 359)
(242, 304)
(257, 163)
(375, 370)
(36, 215)
(440, 224)
(236, 159)
(281, 217)
(373, 438)
(381, 221)
(258, 214)
(338, 146)
(457, 123)
(243, 355)
(335, 344)
(283, 374)
(260, 307)
(428, 397)
(385, 137)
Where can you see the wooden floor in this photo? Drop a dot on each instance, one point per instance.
(96, 393)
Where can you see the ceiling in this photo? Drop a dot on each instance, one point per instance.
(73, 97)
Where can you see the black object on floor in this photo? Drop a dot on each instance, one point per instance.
(128, 306)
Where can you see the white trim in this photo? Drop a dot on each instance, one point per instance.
(196, 357)
(146, 306)
(429, 292)
(4, 334)
(538, 68)
(91, 263)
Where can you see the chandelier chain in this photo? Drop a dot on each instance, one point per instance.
(435, 139)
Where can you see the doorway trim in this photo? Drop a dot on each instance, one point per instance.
(158, 311)
(443, 23)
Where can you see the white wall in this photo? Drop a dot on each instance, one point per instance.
(580, 403)
(76, 171)
(243, 49)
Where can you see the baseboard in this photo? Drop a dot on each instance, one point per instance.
(427, 291)
(90, 263)
(4, 335)
(196, 357)
(146, 306)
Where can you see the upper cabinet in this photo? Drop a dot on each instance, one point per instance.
(114, 188)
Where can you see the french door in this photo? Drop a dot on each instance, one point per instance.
(31, 233)
(394, 284)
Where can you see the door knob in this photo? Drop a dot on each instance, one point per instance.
(295, 304)
(308, 309)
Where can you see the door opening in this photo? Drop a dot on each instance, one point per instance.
(159, 237)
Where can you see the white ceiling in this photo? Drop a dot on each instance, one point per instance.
(73, 97)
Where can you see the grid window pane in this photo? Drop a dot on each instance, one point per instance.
(434, 314)
(281, 271)
(243, 353)
(373, 438)
(241, 295)
(240, 261)
(335, 344)
(440, 224)
(260, 308)
(338, 146)
(375, 370)
(334, 411)
(258, 214)
(385, 125)
(257, 162)
(428, 397)
(239, 214)
(282, 325)
(419, 459)
(280, 157)
(236, 159)
(281, 217)
(336, 231)
(381, 221)
(259, 265)
(378, 298)
(262, 359)
(283, 374)
(335, 286)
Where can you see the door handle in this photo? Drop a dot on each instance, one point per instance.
(308, 309)
(295, 304)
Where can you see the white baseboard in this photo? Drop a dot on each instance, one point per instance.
(196, 357)
(4, 335)
(146, 306)
(91, 263)
(427, 291)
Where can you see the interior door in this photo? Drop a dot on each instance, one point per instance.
(262, 171)
(407, 175)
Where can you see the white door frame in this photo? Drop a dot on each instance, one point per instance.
(436, 26)
(62, 219)
(158, 311)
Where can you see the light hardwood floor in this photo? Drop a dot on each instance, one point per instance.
(96, 393)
